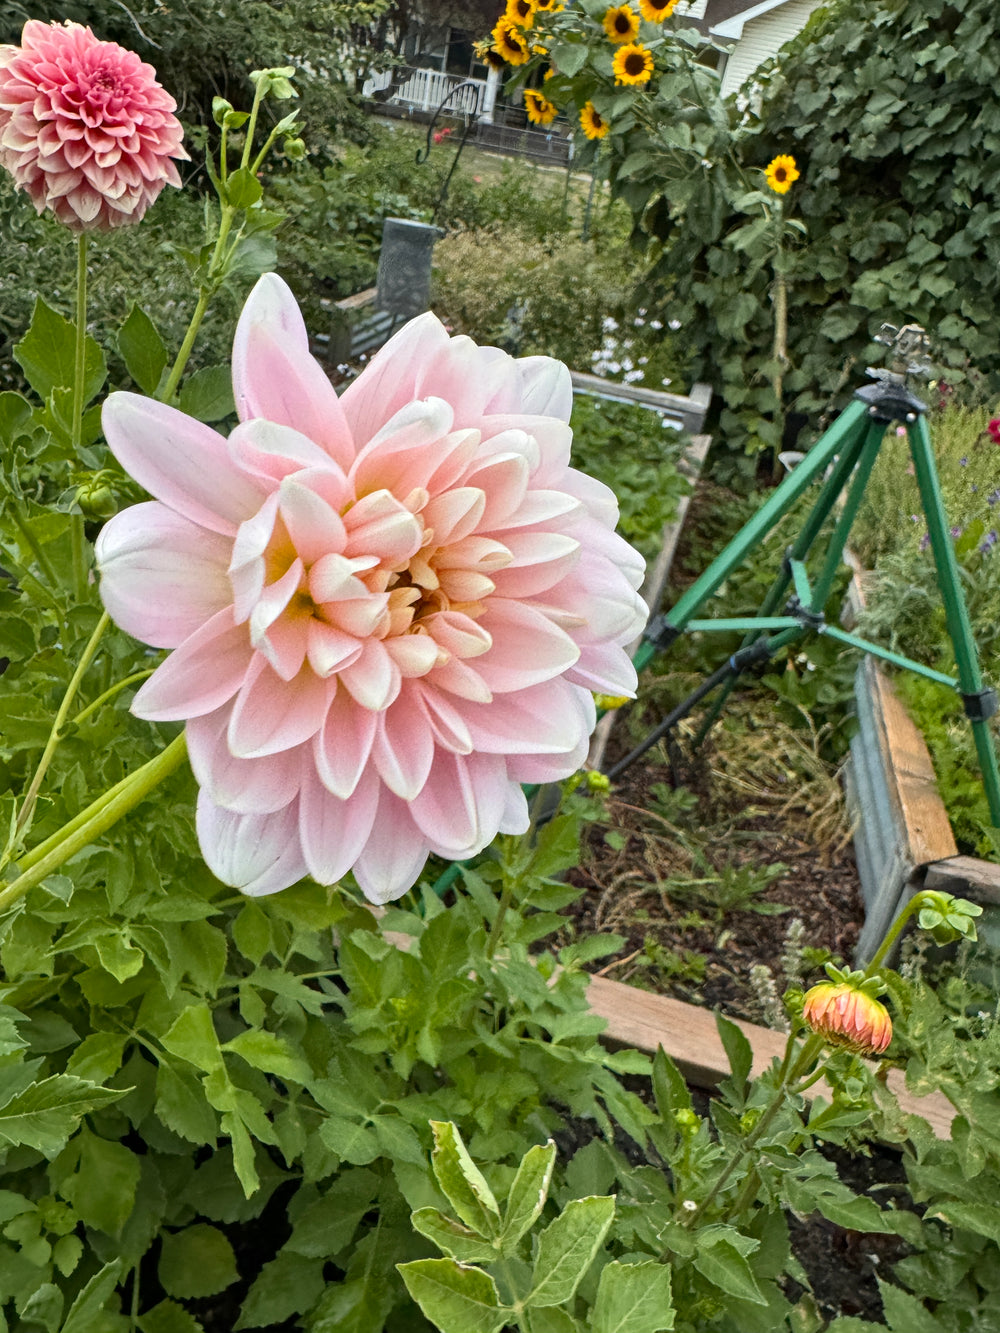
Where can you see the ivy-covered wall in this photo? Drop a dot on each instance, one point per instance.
(892, 111)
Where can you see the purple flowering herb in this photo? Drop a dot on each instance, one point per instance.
(963, 462)
(956, 532)
(925, 541)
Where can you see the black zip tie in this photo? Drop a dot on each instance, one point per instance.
(981, 705)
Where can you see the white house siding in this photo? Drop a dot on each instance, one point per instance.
(763, 37)
(691, 9)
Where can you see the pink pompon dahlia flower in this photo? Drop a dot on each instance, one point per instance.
(85, 129)
(848, 1015)
(388, 610)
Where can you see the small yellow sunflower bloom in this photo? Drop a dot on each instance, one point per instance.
(511, 42)
(488, 54)
(621, 23)
(655, 11)
(540, 110)
(633, 64)
(521, 12)
(781, 174)
(594, 127)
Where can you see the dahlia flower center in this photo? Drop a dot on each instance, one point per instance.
(316, 583)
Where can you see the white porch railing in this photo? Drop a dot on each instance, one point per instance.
(426, 89)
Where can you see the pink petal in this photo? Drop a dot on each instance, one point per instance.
(314, 526)
(444, 719)
(271, 715)
(543, 719)
(504, 481)
(455, 514)
(273, 600)
(414, 654)
(394, 855)
(546, 387)
(380, 525)
(244, 786)
(541, 768)
(466, 376)
(460, 807)
(605, 669)
(342, 748)
(329, 648)
(403, 750)
(271, 452)
(540, 561)
(162, 576)
(257, 854)
(334, 832)
(389, 380)
(402, 455)
(527, 647)
(374, 679)
(200, 675)
(275, 375)
(180, 461)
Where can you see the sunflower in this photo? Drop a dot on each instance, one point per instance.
(633, 64)
(621, 23)
(511, 42)
(540, 110)
(781, 173)
(488, 54)
(521, 12)
(549, 6)
(655, 11)
(593, 123)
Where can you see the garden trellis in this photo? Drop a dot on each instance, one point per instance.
(843, 457)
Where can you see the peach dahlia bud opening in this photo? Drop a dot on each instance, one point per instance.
(848, 1016)
(85, 129)
(387, 610)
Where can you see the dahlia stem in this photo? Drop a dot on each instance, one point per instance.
(76, 428)
(31, 796)
(110, 694)
(916, 904)
(205, 294)
(91, 823)
(793, 1068)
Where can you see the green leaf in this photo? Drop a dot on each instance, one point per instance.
(288, 1285)
(720, 1257)
(463, 1183)
(551, 1319)
(739, 1052)
(102, 1190)
(243, 188)
(567, 1246)
(270, 1054)
(528, 1193)
(169, 1317)
(98, 1056)
(192, 1037)
(569, 57)
(82, 1317)
(455, 1299)
(15, 414)
(142, 349)
(181, 1104)
(327, 1226)
(252, 932)
(45, 1307)
(47, 355)
(453, 1238)
(46, 1113)
(633, 1298)
(670, 1089)
(207, 395)
(195, 1262)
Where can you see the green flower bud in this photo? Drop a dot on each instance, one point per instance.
(598, 781)
(295, 149)
(96, 499)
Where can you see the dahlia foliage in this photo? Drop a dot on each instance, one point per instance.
(387, 610)
(85, 129)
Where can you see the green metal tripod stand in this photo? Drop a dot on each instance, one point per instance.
(845, 454)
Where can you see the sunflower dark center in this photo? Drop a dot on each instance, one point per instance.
(622, 23)
(780, 174)
(635, 64)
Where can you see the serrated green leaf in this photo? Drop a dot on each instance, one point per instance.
(905, 1314)
(453, 1238)
(98, 1056)
(739, 1052)
(252, 932)
(567, 1247)
(82, 1317)
(290, 1284)
(328, 1225)
(193, 1038)
(271, 1054)
(455, 1299)
(102, 1189)
(463, 1183)
(551, 1319)
(207, 395)
(181, 1104)
(633, 1298)
(720, 1258)
(169, 1317)
(47, 355)
(528, 1193)
(195, 1262)
(45, 1114)
(142, 349)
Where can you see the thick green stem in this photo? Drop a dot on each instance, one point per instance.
(916, 904)
(93, 822)
(76, 427)
(31, 796)
(110, 693)
(205, 295)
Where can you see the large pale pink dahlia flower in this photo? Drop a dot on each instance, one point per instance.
(387, 610)
(85, 129)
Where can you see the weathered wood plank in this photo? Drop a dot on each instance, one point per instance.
(689, 1036)
(966, 876)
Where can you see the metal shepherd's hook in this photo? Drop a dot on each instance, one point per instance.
(470, 119)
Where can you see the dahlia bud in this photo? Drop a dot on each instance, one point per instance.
(846, 1012)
